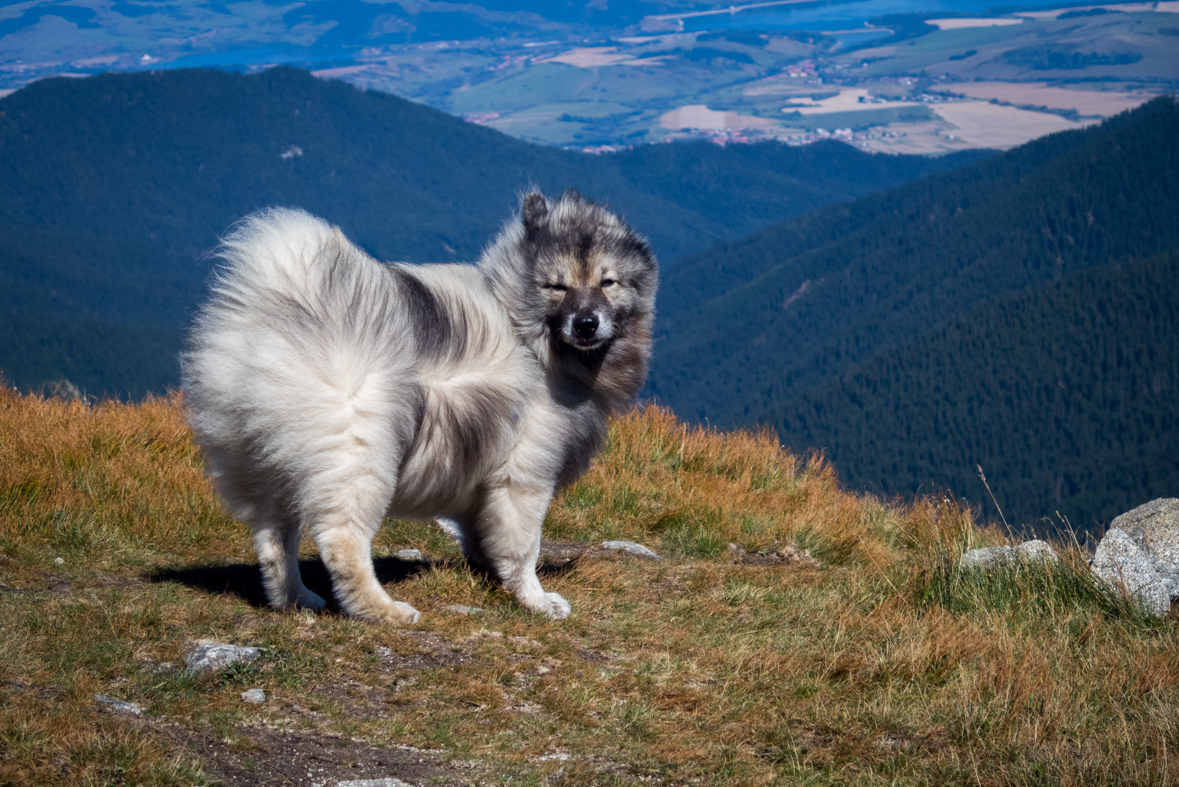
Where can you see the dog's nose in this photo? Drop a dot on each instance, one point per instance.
(585, 326)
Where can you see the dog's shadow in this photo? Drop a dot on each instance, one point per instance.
(244, 580)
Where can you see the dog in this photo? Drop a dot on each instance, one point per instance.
(328, 390)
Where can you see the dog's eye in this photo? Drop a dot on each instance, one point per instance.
(556, 287)
(608, 282)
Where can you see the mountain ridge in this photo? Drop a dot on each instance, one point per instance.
(109, 217)
(822, 327)
(903, 260)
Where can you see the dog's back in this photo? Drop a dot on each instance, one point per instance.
(308, 345)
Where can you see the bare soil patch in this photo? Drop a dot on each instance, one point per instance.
(264, 757)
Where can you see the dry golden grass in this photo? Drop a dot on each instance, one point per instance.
(882, 665)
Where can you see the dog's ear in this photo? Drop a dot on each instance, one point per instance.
(533, 211)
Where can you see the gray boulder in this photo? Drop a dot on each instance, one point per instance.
(1027, 552)
(1154, 527)
(208, 657)
(1121, 563)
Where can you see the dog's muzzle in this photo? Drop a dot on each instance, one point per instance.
(585, 327)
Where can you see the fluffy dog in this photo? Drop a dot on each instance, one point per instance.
(328, 390)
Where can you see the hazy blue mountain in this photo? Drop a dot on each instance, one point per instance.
(105, 220)
(822, 325)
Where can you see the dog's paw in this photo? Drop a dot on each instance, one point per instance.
(553, 605)
(396, 613)
(401, 614)
(308, 600)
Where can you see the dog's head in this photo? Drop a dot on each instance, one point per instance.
(592, 276)
(579, 286)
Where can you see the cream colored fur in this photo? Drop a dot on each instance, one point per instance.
(328, 391)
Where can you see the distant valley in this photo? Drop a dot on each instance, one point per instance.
(602, 76)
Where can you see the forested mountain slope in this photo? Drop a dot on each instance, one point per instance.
(753, 324)
(113, 187)
(1067, 395)
(1018, 314)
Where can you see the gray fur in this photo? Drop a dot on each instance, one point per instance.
(328, 390)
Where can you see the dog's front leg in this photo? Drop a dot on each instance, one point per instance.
(509, 527)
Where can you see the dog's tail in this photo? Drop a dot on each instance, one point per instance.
(278, 249)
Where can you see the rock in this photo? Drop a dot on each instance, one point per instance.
(631, 547)
(118, 706)
(462, 610)
(254, 696)
(987, 557)
(792, 554)
(1121, 563)
(209, 656)
(1154, 527)
(388, 781)
(408, 554)
(1037, 550)
(1028, 551)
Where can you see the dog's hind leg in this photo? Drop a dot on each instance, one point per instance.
(345, 516)
(509, 528)
(276, 530)
(277, 543)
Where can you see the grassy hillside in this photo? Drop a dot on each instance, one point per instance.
(774, 323)
(1065, 395)
(106, 217)
(736, 659)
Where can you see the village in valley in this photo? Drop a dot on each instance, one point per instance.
(904, 83)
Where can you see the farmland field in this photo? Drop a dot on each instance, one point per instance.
(744, 76)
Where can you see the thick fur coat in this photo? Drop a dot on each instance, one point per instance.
(328, 390)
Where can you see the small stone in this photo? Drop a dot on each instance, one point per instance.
(1121, 563)
(1037, 550)
(408, 554)
(631, 547)
(118, 706)
(254, 696)
(459, 609)
(388, 781)
(209, 656)
(987, 557)
(1034, 551)
(58, 560)
(792, 554)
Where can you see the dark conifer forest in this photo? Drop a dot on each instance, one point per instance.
(1064, 394)
(956, 321)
